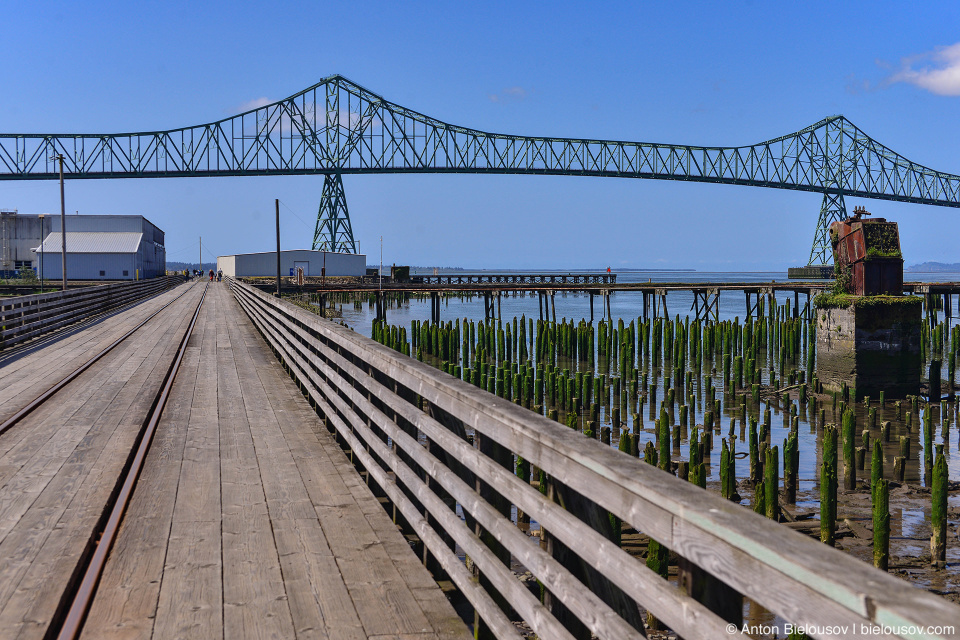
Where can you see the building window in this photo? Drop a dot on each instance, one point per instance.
(103, 273)
(22, 264)
(126, 273)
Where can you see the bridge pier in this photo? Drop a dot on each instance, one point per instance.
(660, 298)
(832, 209)
(706, 302)
(333, 231)
(754, 307)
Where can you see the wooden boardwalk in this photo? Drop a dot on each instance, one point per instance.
(248, 520)
(58, 466)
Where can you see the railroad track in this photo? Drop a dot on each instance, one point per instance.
(79, 591)
(9, 354)
(24, 412)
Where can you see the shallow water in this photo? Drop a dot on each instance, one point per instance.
(628, 306)
(909, 524)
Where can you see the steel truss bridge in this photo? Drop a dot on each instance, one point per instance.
(337, 127)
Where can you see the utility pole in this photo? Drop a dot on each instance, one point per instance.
(41, 252)
(201, 256)
(277, 203)
(63, 227)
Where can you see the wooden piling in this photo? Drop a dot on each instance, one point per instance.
(771, 489)
(828, 486)
(899, 468)
(849, 454)
(881, 524)
(876, 465)
(791, 457)
(938, 513)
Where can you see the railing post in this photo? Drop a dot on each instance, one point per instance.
(503, 457)
(715, 594)
(598, 520)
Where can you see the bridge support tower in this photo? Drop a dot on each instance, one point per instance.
(832, 210)
(820, 264)
(333, 231)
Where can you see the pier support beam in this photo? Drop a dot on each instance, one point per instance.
(381, 307)
(706, 303)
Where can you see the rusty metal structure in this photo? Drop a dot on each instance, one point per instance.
(867, 256)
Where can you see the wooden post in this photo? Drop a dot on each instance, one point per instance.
(881, 524)
(849, 453)
(503, 457)
(599, 520)
(938, 512)
(828, 486)
(771, 470)
(277, 204)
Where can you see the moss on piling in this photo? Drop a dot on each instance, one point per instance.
(841, 300)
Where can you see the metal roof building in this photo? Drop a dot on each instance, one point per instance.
(313, 263)
(99, 247)
(101, 255)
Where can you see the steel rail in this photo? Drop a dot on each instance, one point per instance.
(83, 597)
(27, 410)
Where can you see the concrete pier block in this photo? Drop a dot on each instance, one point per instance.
(872, 344)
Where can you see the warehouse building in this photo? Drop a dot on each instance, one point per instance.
(19, 236)
(312, 262)
(99, 247)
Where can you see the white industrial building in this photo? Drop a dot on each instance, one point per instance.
(95, 255)
(99, 247)
(312, 262)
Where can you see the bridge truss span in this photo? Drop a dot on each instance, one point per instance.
(337, 127)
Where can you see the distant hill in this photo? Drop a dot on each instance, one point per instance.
(933, 266)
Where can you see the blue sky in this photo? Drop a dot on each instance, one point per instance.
(689, 73)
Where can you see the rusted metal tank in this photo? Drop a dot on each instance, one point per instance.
(867, 256)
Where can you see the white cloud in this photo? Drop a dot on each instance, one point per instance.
(936, 71)
(510, 94)
(250, 105)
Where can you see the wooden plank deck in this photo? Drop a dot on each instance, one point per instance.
(60, 464)
(30, 373)
(250, 522)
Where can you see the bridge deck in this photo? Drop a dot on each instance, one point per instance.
(249, 521)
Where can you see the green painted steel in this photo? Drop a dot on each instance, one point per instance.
(334, 231)
(337, 127)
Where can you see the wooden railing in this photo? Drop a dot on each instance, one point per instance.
(514, 278)
(26, 317)
(445, 453)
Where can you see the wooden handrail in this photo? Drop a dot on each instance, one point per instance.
(26, 317)
(370, 397)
